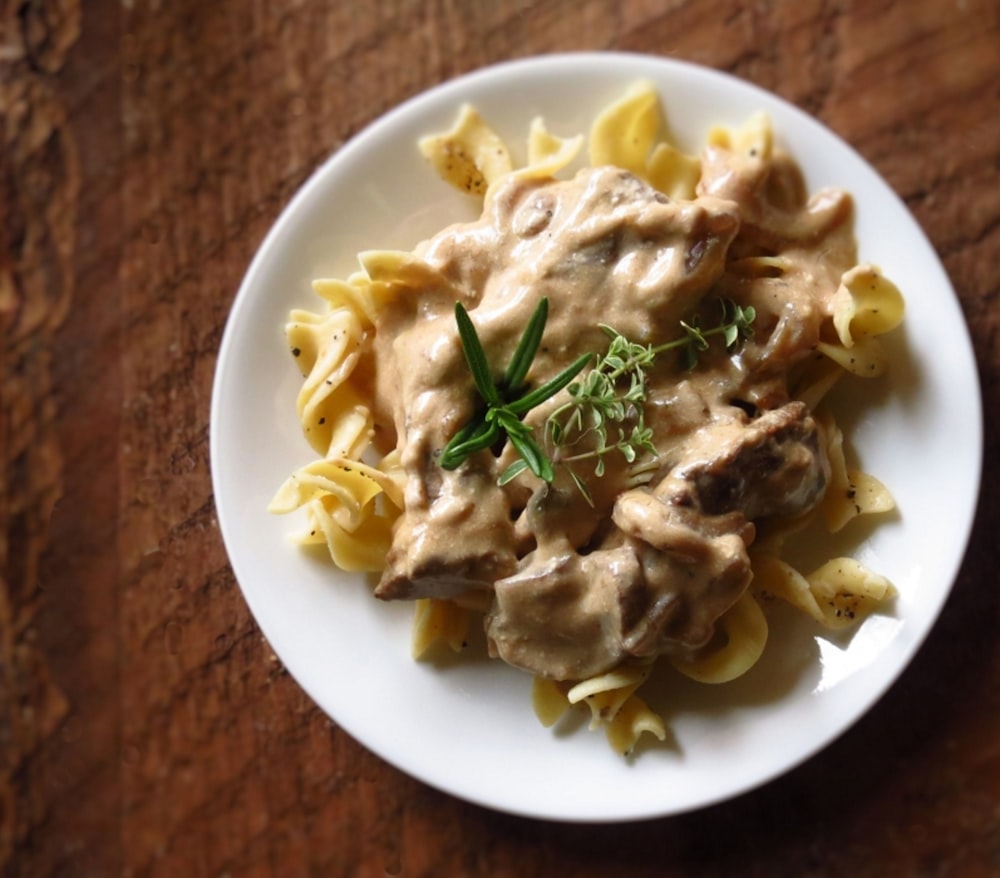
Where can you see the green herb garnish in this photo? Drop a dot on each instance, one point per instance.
(612, 395)
(502, 418)
(735, 325)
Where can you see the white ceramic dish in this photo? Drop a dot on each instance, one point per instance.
(468, 727)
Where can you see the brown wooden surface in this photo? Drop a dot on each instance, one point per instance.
(146, 728)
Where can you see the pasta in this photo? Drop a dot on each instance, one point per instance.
(590, 554)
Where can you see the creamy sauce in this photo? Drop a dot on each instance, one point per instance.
(572, 590)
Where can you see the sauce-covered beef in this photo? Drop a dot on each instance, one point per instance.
(768, 465)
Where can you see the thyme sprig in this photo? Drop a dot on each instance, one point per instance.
(735, 325)
(506, 403)
(612, 395)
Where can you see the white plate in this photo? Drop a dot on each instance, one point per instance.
(468, 727)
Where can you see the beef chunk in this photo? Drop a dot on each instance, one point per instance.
(694, 567)
(559, 616)
(772, 465)
(458, 540)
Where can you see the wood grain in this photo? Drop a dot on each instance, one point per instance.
(146, 728)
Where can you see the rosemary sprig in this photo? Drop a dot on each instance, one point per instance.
(501, 420)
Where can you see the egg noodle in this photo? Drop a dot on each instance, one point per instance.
(360, 485)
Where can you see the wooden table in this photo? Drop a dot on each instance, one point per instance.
(146, 728)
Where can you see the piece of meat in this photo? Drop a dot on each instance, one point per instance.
(771, 465)
(694, 566)
(444, 572)
(559, 617)
(456, 540)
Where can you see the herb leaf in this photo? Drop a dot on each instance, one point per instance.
(475, 356)
(527, 347)
(467, 442)
(512, 472)
(532, 455)
(551, 387)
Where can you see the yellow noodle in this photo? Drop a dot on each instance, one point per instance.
(849, 492)
(470, 155)
(625, 135)
(549, 701)
(438, 621)
(547, 153)
(866, 304)
(836, 595)
(635, 718)
(744, 629)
